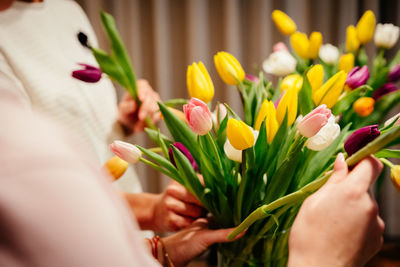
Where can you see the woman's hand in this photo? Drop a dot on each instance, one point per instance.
(339, 225)
(132, 118)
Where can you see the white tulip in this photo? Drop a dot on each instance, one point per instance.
(329, 54)
(325, 136)
(280, 63)
(126, 151)
(231, 152)
(386, 35)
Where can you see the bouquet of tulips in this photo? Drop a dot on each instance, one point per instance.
(254, 172)
(369, 90)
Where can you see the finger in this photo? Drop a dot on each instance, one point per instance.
(365, 173)
(127, 107)
(182, 208)
(340, 170)
(139, 126)
(177, 222)
(178, 191)
(210, 237)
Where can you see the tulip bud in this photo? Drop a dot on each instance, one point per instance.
(268, 113)
(330, 91)
(360, 138)
(357, 77)
(116, 167)
(316, 77)
(312, 123)
(364, 106)
(292, 81)
(231, 152)
(280, 46)
(395, 117)
(300, 44)
(365, 27)
(199, 83)
(325, 136)
(126, 151)
(352, 42)
(185, 152)
(239, 134)
(384, 90)
(252, 78)
(395, 177)
(314, 45)
(346, 62)
(288, 103)
(394, 74)
(198, 116)
(229, 68)
(279, 63)
(219, 114)
(386, 35)
(283, 22)
(89, 74)
(329, 54)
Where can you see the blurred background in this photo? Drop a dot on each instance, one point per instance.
(165, 36)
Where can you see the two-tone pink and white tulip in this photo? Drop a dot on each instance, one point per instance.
(198, 116)
(126, 151)
(325, 136)
(314, 121)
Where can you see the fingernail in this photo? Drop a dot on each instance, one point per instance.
(340, 157)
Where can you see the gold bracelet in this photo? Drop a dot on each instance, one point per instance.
(167, 261)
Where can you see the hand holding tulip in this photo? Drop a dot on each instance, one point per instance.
(132, 118)
(175, 209)
(345, 213)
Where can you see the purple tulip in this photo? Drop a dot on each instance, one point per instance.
(394, 74)
(90, 74)
(360, 138)
(185, 152)
(357, 77)
(384, 90)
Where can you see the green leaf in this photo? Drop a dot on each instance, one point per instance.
(160, 160)
(180, 131)
(388, 153)
(110, 67)
(380, 78)
(235, 116)
(347, 101)
(305, 96)
(154, 135)
(395, 60)
(176, 102)
(221, 134)
(119, 52)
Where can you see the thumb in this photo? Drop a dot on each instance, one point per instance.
(340, 169)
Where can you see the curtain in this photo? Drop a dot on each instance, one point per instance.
(165, 36)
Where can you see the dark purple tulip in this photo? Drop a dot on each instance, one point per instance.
(384, 90)
(360, 138)
(90, 74)
(394, 74)
(185, 152)
(357, 77)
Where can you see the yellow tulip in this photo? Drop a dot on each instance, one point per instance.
(366, 27)
(288, 103)
(116, 167)
(239, 134)
(330, 91)
(199, 83)
(300, 44)
(229, 69)
(395, 176)
(364, 106)
(268, 113)
(292, 81)
(316, 77)
(352, 42)
(304, 47)
(315, 44)
(283, 22)
(346, 62)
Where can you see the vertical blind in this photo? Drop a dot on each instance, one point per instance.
(165, 36)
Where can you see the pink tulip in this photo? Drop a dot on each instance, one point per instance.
(314, 121)
(126, 151)
(280, 47)
(198, 116)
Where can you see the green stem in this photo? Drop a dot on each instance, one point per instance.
(242, 186)
(386, 162)
(155, 166)
(155, 149)
(150, 123)
(214, 147)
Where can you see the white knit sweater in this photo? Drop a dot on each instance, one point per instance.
(38, 52)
